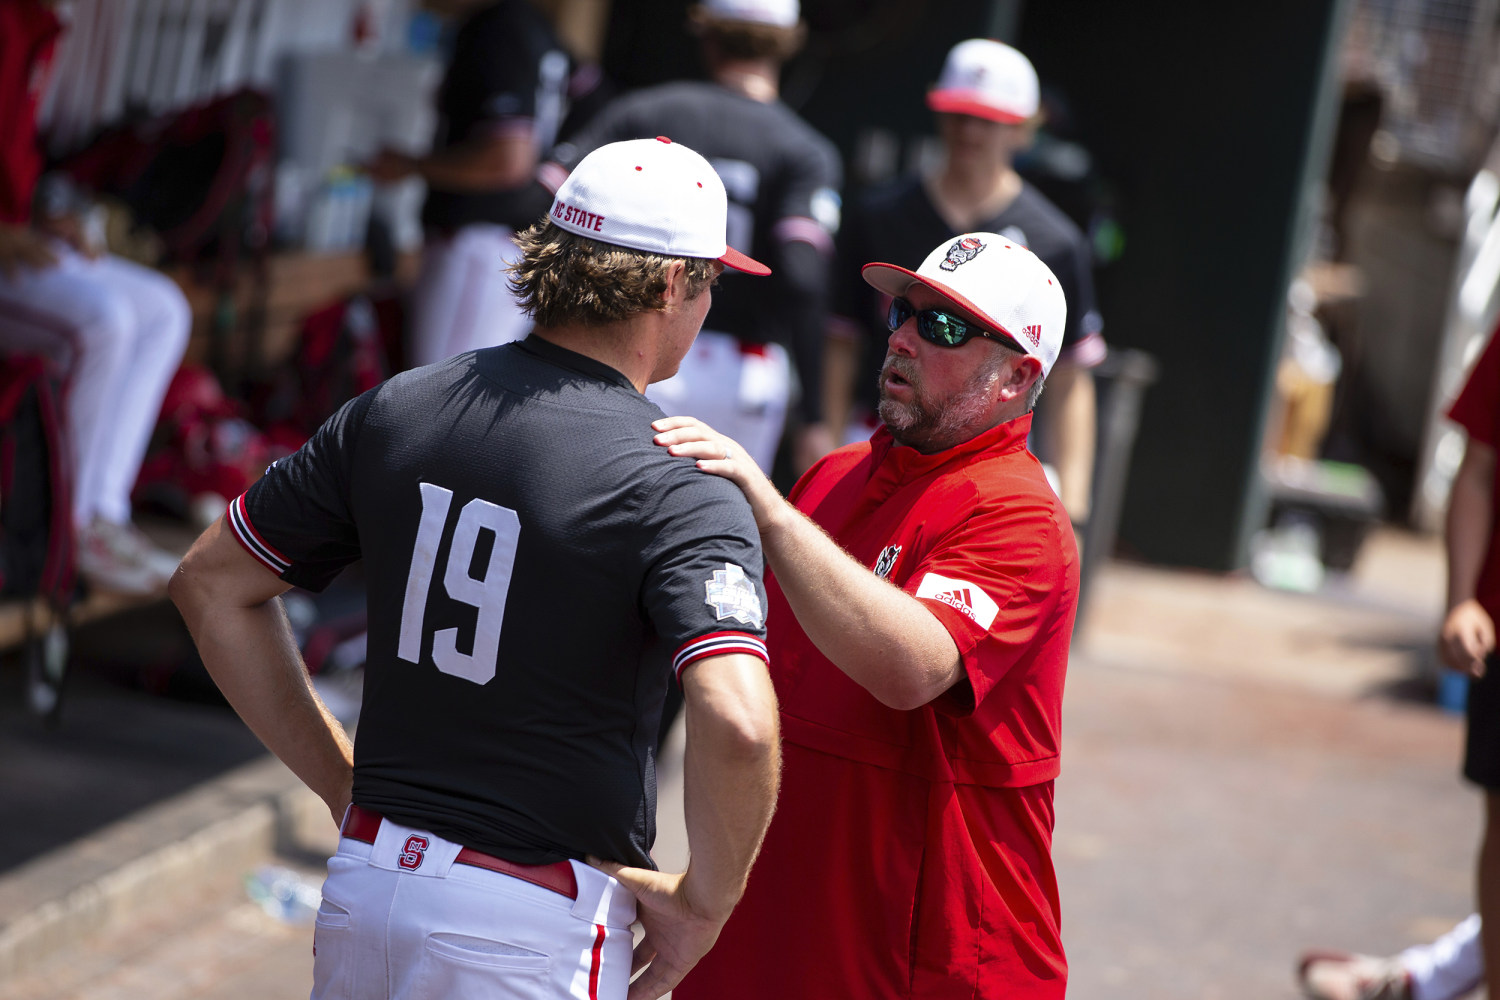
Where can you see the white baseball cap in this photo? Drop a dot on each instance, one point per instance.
(650, 194)
(986, 79)
(993, 281)
(781, 13)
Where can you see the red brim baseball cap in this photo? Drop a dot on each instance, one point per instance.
(653, 195)
(957, 102)
(986, 79)
(733, 258)
(993, 281)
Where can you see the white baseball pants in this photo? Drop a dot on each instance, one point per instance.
(461, 301)
(739, 390)
(446, 930)
(118, 331)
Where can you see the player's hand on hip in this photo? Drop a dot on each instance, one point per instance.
(1467, 638)
(690, 437)
(677, 935)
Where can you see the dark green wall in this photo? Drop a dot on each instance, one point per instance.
(1206, 118)
(1203, 117)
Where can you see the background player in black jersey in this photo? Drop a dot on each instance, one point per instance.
(501, 102)
(782, 177)
(986, 102)
(536, 570)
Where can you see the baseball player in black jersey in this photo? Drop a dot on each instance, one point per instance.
(501, 102)
(782, 177)
(537, 571)
(987, 102)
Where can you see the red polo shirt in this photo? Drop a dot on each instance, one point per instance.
(910, 853)
(28, 34)
(1477, 410)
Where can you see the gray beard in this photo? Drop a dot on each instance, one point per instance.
(918, 424)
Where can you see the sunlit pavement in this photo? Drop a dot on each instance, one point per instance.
(1246, 773)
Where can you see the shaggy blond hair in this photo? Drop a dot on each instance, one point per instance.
(563, 278)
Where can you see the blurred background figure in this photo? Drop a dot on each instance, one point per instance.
(987, 102)
(1448, 968)
(116, 330)
(502, 100)
(782, 177)
(1455, 964)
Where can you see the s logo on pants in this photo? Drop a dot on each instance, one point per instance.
(411, 854)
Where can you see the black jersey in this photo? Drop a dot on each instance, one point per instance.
(508, 71)
(536, 567)
(782, 178)
(898, 224)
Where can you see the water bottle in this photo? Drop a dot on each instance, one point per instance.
(284, 894)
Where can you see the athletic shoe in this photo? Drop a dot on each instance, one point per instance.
(1338, 975)
(119, 558)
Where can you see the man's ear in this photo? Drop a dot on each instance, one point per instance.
(674, 290)
(1023, 375)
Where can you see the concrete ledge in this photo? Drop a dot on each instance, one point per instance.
(149, 860)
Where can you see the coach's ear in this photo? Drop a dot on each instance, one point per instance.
(1024, 372)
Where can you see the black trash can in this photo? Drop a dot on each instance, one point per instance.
(1120, 383)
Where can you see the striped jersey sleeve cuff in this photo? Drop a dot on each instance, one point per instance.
(246, 535)
(718, 644)
(799, 227)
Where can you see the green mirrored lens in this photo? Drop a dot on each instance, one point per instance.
(941, 328)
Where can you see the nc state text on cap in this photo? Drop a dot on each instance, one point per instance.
(577, 216)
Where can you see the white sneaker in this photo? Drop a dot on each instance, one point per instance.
(117, 557)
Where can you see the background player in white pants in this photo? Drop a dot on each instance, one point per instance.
(537, 570)
(782, 177)
(502, 100)
(116, 330)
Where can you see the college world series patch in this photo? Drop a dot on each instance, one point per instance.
(732, 595)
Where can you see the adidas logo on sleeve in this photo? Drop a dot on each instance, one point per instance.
(962, 595)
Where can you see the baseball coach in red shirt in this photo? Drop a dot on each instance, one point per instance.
(924, 589)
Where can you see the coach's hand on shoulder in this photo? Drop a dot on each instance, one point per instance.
(677, 934)
(22, 246)
(690, 437)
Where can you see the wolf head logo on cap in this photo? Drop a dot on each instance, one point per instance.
(961, 252)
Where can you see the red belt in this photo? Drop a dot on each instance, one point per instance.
(363, 825)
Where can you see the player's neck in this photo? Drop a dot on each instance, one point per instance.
(966, 194)
(757, 79)
(627, 347)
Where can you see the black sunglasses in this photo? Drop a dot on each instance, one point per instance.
(938, 327)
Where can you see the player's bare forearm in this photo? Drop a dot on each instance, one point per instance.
(879, 635)
(731, 771)
(1070, 436)
(229, 603)
(1468, 633)
(840, 361)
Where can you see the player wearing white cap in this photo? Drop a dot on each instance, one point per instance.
(924, 588)
(537, 570)
(504, 96)
(783, 178)
(986, 100)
